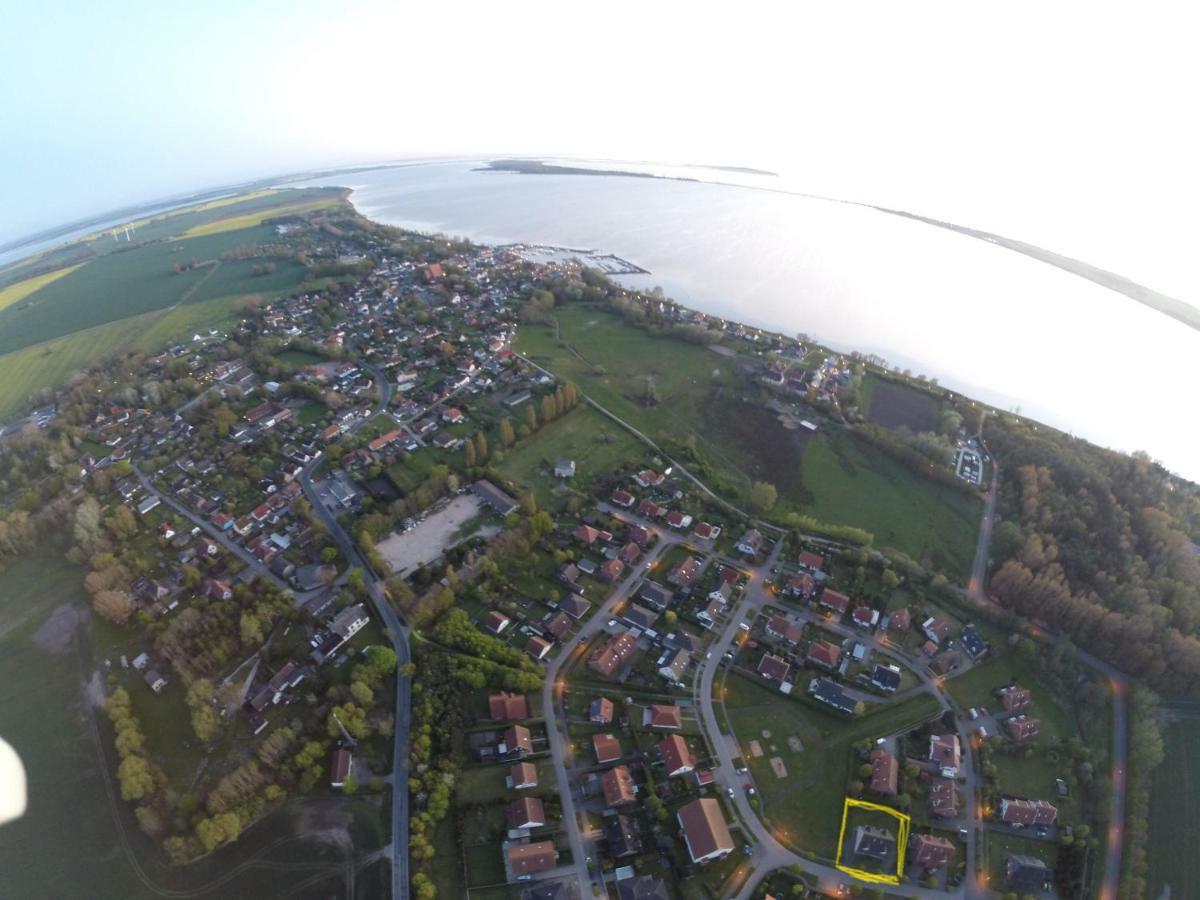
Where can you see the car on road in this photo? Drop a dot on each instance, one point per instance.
(729, 791)
(748, 850)
(749, 788)
(612, 623)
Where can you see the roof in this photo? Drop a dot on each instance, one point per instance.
(812, 561)
(944, 750)
(901, 620)
(601, 710)
(873, 842)
(932, 851)
(537, 647)
(676, 754)
(772, 666)
(606, 747)
(526, 859)
(339, 766)
(494, 497)
(659, 715)
(824, 653)
(885, 771)
(1014, 698)
(526, 811)
(506, 707)
(1028, 812)
(704, 828)
(608, 657)
(617, 784)
(1026, 872)
(524, 773)
(643, 887)
(495, 622)
(943, 798)
(835, 600)
(518, 740)
(831, 694)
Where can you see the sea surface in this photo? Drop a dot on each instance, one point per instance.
(992, 323)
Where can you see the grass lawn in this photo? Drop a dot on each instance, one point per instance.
(1175, 813)
(311, 413)
(298, 358)
(974, 688)
(446, 867)
(595, 443)
(17, 292)
(806, 806)
(484, 864)
(853, 483)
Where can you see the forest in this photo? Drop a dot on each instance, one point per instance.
(1100, 546)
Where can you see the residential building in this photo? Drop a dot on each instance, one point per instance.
(516, 742)
(705, 831)
(622, 836)
(831, 694)
(874, 843)
(506, 707)
(1013, 698)
(824, 655)
(618, 787)
(943, 798)
(750, 543)
(676, 755)
(885, 772)
(606, 747)
(1022, 813)
(663, 716)
(773, 668)
(523, 775)
(612, 654)
(529, 859)
(526, 812)
(835, 601)
(1026, 874)
(601, 711)
(1022, 728)
(930, 851)
(945, 752)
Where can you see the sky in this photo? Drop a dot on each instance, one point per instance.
(1068, 125)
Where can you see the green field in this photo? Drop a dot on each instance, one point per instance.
(805, 808)
(50, 364)
(854, 483)
(597, 444)
(895, 405)
(833, 476)
(1175, 812)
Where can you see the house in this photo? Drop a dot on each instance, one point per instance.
(601, 711)
(655, 595)
(523, 776)
(835, 601)
(773, 668)
(638, 535)
(643, 887)
(586, 534)
(812, 561)
(585, 566)
(831, 694)
(824, 655)
(971, 641)
(704, 830)
(495, 498)
(526, 812)
(706, 532)
(537, 647)
(676, 666)
(865, 617)
(218, 589)
(557, 625)
(783, 629)
(620, 498)
(622, 836)
(750, 543)
(629, 553)
(146, 505)
(885, 772)
(1013, 698)
(609, 656)
(495, 622)
(611, 569)
(516, 741)
(339, 767)
(639, 617)
(606, 747)
(661, 715)
(564, 468)
(901, 620)
(452, 416)
(575, 607)
(676, 755)
(506, 707)
(349, 622)
(529, 859)
(886, 678)
(709, 615)
(721, 593)
(677, 519)
(568, 574)
(648, 478)
(874, 843)
(618, 787)
(1025, 874)
(1022, 728)
(1020, 813)
(936, 630)
(684, 573)
(648, 509)
(930, 851)
(946, 753)
(154, 680)
(801, 586)
(943, 798)
(206, 547)
(165, 531)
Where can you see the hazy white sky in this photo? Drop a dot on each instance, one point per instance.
(1068, 125)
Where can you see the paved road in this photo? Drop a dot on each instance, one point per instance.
(984, 543)
(215, 533)
(398, 633)
(582, 850)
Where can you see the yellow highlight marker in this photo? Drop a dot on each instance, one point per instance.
(901, 843)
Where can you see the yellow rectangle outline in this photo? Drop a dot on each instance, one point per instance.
(901, 843)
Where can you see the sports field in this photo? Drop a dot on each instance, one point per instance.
(1175, 811)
